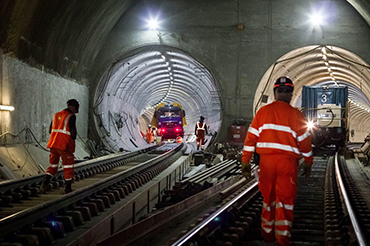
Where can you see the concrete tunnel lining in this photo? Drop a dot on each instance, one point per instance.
(131, 88)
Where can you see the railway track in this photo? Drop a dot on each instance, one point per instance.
(30, 218)
(329, 211)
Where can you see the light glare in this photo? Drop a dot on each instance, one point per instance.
(310, 125)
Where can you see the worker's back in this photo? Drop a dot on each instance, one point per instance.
(279, 126)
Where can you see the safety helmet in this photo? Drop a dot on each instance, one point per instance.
(201, 118)
(283, 81)
(178, 139)
(73, 102)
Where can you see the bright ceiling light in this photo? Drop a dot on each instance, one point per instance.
(6, 108)
(153, 23)
(316, 19)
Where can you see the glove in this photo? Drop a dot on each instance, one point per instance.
(246, 170)
(306, 169)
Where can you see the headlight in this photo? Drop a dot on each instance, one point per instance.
(310, 125)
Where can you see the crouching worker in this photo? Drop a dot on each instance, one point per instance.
(62, 144)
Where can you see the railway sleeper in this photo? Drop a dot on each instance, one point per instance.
(56, 227)
(67, 221)
(105, 199)
(76, 216)
(99, 204)
(85, 211)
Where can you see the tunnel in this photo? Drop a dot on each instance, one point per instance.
(121, 59)
(132, 87)
(217, 59)
(322, 65)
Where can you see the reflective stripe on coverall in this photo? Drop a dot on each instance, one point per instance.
(61, 145)
(279, 134)
(200, 134)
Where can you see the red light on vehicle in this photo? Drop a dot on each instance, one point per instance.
(177, 129)
(163, 129)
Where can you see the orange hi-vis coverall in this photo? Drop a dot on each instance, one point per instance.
(280, 135)
(149, 135)
(61, 145)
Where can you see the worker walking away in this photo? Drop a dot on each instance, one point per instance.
(62, 144)
(201, 131)
(279, 134)
(149, 134)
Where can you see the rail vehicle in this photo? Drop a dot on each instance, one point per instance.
(325, 109)
(169, 119)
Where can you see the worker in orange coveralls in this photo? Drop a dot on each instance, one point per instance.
(62, 144)
(149, 134)
(279, 134)
(201, 131)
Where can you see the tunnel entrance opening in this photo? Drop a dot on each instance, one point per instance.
(130, 89)
(318, 66)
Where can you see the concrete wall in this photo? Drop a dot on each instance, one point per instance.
(36, 96)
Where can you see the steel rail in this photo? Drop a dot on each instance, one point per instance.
(199, 227)
(21, 183)
(11, 223)
(206, 173)
(359, 235)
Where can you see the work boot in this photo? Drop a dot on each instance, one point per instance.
(68, 188)
(45, 182)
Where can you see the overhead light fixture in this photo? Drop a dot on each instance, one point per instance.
(316, 20)
(153, 23)
(6, 108)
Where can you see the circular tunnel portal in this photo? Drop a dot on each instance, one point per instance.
(318, 66)
(131, 88)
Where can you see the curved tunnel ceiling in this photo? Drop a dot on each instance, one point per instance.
(318, 66)
(137, 83)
